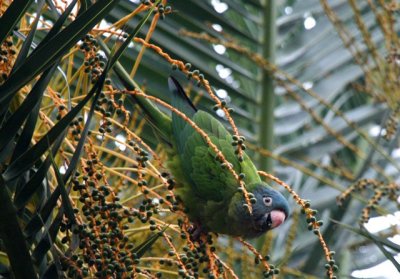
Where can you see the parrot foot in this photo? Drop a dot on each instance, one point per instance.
(196, 231)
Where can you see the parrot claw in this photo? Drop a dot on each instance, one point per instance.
(196, 231)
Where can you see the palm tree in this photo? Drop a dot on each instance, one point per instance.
(312, 86)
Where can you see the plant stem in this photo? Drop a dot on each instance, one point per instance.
(267, 86)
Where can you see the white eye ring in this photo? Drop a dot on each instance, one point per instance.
(267, 201)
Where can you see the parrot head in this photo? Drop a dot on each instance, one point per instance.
(270, 210)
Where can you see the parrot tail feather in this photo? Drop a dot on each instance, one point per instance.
(179, 99)
(181, 102)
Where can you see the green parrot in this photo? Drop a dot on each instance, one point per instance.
(209, 192)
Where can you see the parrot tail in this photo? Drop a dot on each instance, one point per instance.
(179, 99)
(181, 102)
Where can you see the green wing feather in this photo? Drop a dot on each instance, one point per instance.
(209, 178)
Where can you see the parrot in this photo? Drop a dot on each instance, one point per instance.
(210, 194)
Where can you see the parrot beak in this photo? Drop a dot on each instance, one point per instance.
(270, 220)
(276, 218)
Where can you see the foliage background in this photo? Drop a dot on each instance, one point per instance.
(334, 65)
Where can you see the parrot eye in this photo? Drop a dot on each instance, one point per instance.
(267, 201)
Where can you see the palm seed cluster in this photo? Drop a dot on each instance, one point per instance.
(380, 190)
(7, 58)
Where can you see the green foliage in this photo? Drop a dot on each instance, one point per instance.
(84, 191)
